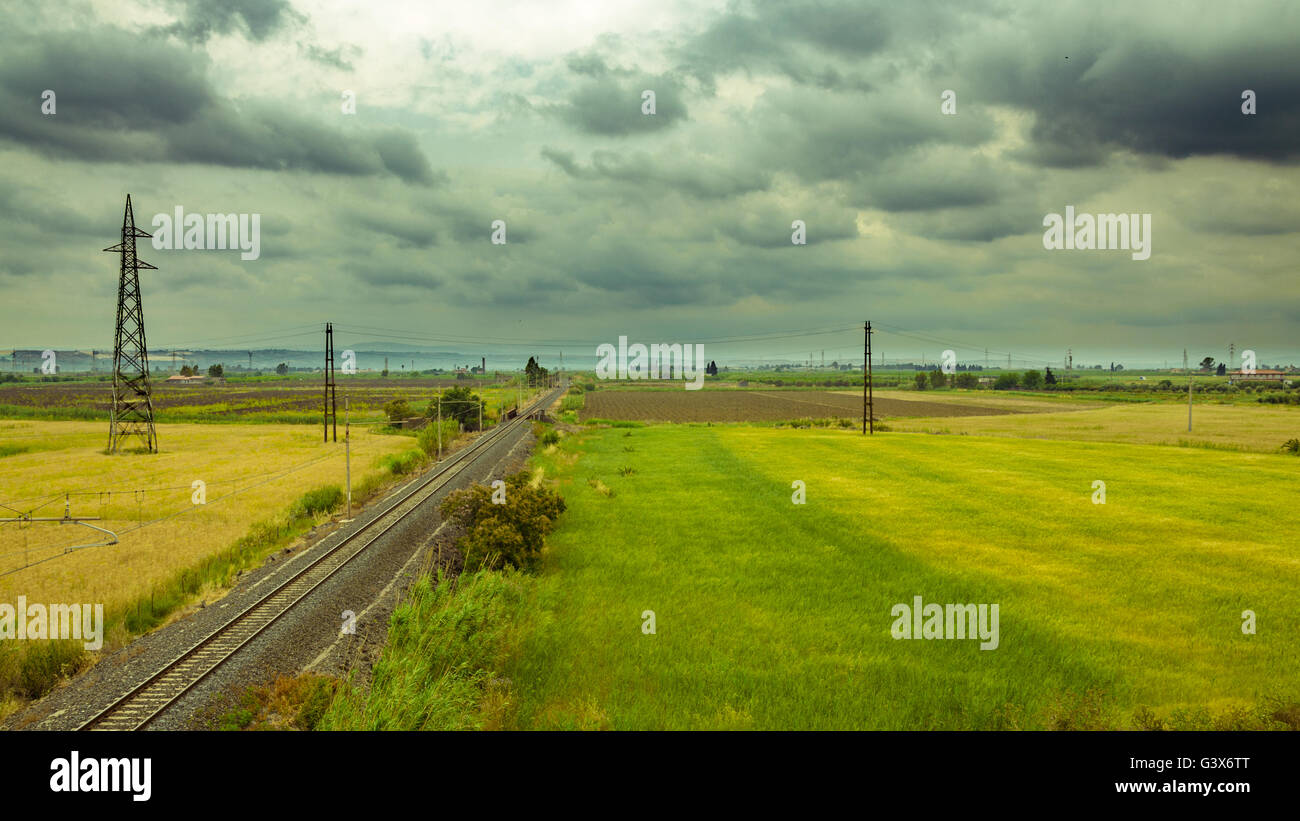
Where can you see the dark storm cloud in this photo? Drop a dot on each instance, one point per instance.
(120, 97)
(1128, 89)
(256, 19)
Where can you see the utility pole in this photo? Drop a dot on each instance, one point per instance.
(331, 398)
(1189, 391)
(439, 426)
(347, 451)
(868, 401)
(250, 365)
(132, 413)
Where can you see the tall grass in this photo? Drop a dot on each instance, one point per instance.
(441, 668)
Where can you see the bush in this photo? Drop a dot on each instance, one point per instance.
(321, 500)
(938, 379)
(397, 410)
(1033, 380)
(428, 436)
(503, 535)
(402, 463)
(1006, 382)
(921, 381)
(1292, 446)
(966, 379)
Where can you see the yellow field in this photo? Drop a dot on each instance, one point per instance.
(253, 473)
(1261, 428)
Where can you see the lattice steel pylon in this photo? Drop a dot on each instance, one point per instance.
(132, 397)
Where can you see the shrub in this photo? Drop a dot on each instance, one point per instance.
(938, 379)
(966, 379)
(400, 464)
(1006, 382)
(921, 381)
(397, 410)
(428, 435)
(1033, 380)
(503, 535)
(1292, 446)
(321, 500)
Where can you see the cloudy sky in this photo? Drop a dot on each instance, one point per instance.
(674, 226)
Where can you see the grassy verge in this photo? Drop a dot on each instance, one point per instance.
(441, 668)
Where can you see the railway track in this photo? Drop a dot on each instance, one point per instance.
(141, 705)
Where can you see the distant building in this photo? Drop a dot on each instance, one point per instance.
(1260, 375)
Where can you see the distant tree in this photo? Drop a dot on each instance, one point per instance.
(186, 370)
(459, 403)
(921, 381)
(1032, 380)
(536, 373)
(1207, 363)
(1222, 371)
(938, 379)
(397, 410)
(1006, 382)
(282, 368)
(1049, 377)
(711, 369)
(216, 370)
(966, 380)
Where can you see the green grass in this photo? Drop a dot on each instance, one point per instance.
(775, 615)
(440, 669)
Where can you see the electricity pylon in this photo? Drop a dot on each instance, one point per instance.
(132, 398)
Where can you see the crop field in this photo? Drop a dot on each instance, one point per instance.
(252, 474)
(1261, 429)
(760, 406)
(771, 614)
(290, 400)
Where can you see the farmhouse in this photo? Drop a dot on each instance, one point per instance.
(177, 379)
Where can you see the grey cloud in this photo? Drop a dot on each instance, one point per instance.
(255, 19)
(705, 178)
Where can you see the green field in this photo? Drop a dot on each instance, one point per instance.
(776, 615)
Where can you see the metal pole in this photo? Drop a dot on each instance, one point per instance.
(871, 402)
(439, 427)
(1189, 400)
(866, 367)
(347, 450)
